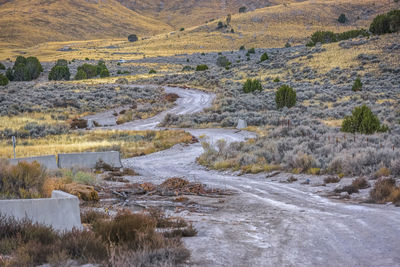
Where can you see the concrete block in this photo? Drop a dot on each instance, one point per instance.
(89, 160)
(61, 211)
(48, 162)
(241, 124)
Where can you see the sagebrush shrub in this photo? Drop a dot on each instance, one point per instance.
(223, 62)
(385, 190)
(252, 85)
(285, 97)
(362, 121)
(24, 180)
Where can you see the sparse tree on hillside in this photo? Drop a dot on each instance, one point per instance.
(342, 18)
(133, 38)
(285, 97)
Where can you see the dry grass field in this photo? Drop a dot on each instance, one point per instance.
(26, 23)
(129, 143)
(271, 26)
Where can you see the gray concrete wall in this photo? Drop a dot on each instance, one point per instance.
(49, 161)
(89, 160)
(61, 211)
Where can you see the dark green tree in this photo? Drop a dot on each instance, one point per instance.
(285, 97)
(59, 73)
(357, 86)
(80, 75)
(133, 38)
(342, 18)
(362, 121)
(252, 85)
(386, 23)
(264, 57)
(3, 80)
(201, 67)
(2, 67)
(104, 73)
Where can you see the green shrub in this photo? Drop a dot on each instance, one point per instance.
(242, 9)
(362, 121)
(386, 23)
(182, 29)
(285, 97)
(2, 67)
(10, 74)
(152, 71)
(277, 80)
(223, 62)
(264, 57)
(133, 38)
(342, 18)
(3, 80)
(331, 37)
(201, 67)
(80, 75)
(104, 73)
(62, 62)
(251, 51)
(357, 86)
(252, 85)
(60, 71)
(242, 48)
(25, 69)
(187, 68)
(89, 70)
(20, 73)
(220, 25)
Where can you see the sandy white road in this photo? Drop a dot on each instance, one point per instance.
(269, 223)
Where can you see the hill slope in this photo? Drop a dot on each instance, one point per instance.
(188, 13)
(31, 22)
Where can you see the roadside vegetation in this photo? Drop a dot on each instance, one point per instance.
(110, 241)
(128, 143)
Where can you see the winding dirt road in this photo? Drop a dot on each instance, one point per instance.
(269, 223)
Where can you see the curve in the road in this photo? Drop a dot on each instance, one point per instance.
(267, 223)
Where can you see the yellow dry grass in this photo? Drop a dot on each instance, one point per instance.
(35, 21)
(335, 56)
(17, 122)
(267, 27)
(129, 143)
(333, 123)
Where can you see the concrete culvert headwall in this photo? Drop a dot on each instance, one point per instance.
(48, 162)
(61, 211)
(89, 160)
